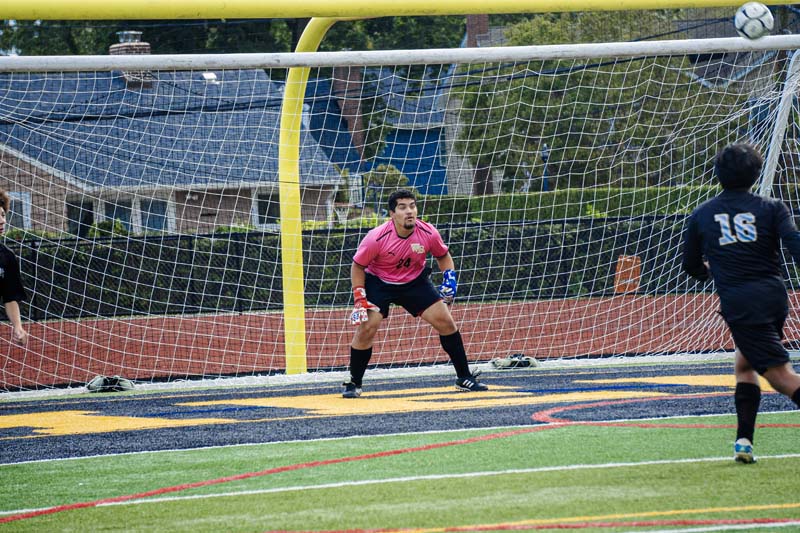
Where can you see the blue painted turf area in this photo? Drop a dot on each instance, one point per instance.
(145, 421)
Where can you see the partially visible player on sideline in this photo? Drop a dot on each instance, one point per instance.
(389, 268)
(737, 235)
(11, 288)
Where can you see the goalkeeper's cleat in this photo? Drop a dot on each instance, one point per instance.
(743, 451)
(351, 390)
(470, 384)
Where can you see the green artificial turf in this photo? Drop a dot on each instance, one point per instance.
(560, 475)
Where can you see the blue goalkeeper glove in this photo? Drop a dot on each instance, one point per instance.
(447, 290)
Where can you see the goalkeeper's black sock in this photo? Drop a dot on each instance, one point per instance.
(747, 398)
(454, 347)
(359, 359)
(796, 397)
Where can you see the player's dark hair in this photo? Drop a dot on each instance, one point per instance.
(738, 166)
(398, 195)
(5, 201)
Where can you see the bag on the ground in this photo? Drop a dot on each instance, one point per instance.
(516, 360)
(109, 384)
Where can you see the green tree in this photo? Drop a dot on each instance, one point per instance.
(108, 228)
(386, 178)
(624, 122)
(396, 33)
(53, 37)
(94, 37)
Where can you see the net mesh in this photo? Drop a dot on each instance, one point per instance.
(146, 208)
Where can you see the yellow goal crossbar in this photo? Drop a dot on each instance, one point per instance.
(244, 9)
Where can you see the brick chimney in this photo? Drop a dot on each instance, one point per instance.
(476, 25)
(130, 43)
(347, 90)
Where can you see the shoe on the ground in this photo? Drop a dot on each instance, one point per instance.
(743, 451)
(470, 384)
(351, 390)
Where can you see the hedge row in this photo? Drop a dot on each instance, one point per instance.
(242, 272)
(558, 244)
(564, 204)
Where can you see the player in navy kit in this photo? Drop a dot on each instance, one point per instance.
(735, 239)
(11, 289)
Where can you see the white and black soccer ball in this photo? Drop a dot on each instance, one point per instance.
(753, 20)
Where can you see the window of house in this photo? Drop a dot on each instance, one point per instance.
(120, 210)
(154, 215)
(268, 209)
(80, 217)
(19, 212)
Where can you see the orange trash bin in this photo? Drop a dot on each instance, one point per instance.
(628, 273)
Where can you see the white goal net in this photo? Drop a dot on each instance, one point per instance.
(147, 217)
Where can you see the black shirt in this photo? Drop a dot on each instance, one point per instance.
(11, 288)
(739, 234)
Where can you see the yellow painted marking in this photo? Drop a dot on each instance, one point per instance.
(420, 400)
(53, 423)
(83, 422)
(616, 516)
(714, 380)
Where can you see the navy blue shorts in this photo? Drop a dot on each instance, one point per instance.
(761, 344)
(415, 296)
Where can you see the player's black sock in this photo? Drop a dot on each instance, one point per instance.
(796, 397)
(359, 359)
(747, 398)
(454, 347)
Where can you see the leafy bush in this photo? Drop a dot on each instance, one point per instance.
(564, 204)
(108, 228)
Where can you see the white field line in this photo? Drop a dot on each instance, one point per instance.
(722, 527)
(386, 435)
(438, 477)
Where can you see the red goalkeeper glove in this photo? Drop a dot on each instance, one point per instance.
(361, 307)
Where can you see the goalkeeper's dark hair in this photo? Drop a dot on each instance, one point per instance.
(5, 201)
(738, 166)
(398, 195)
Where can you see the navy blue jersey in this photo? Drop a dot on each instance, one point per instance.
(739, 234)
(11, 288)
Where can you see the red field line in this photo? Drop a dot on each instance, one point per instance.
(547, 417)
(270, 471)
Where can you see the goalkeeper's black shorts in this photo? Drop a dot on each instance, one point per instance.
(761, 344)
(415, 296)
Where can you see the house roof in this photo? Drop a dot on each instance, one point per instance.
(329, 127)
(412, 104)
(185, 130)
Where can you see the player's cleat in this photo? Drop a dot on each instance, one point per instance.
(351, 390)
(470, 384)
(743, 451)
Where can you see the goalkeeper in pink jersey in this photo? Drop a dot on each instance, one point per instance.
(390, 268)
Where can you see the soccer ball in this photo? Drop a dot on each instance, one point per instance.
(753, 20)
